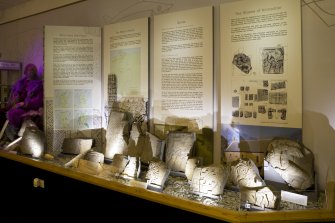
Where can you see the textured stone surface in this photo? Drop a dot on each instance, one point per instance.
(117, 134)
(32, 142)
(244, 173)
(209, 181)
(76, 146)
(119, 163)
(293, 162)
(94, 156)
(191, 164)
(146, 146)
(157, 173)
(263, 197)
(179, 147)
(133, 167)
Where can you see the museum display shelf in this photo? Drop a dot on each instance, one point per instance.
(171, 196)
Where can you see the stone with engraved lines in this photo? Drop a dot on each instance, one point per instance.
(157, 173)
(119, 163)
(244, 173)
(262, 197)
(117, 134)
(209, 181)
(191, 164)
(179, 147)
(292, 161)
(133, 167)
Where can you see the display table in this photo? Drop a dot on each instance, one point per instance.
(58, 175)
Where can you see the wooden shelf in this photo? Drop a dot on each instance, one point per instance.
(314, 215)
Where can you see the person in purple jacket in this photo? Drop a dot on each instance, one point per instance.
(25, 101)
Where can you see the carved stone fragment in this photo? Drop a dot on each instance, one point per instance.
(209, 181)
(32, 142)
(244, 173)
(179, 147)
(76, 146)
(133, 167)
(293, 162)
(94, 156)
(118, 133)
(157, 173)
(119, 163)
(191, 164)
(263, 197)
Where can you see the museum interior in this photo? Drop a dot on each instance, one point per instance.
(186, 111)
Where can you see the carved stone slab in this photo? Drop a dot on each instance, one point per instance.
(76, 146)
(191, 164)
(262, 197)
(32, 142)
(157, 173)
(244, 173)
(117, 134)
(209, 181)
(133, 167)
(179, 148)
(293, 162)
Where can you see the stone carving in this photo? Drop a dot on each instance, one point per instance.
(157, 173)
(262, 197)
(26, 123)
(119, 163)
(32, 142)
(179, 147)
(293, 162)
(209, 181)
(155, 149)
(118, 133)
(89, 167)
(94, 156)
(147, 147)
(244, 173)
(191, 164)
(132, 168)
(76, 146)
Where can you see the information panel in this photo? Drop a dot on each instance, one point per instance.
(183, 68)
(261, 74)
(126, 60)
(72, 83)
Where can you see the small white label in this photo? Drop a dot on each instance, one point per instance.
(294, 198)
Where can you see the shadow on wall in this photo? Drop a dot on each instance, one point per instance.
(317, 136)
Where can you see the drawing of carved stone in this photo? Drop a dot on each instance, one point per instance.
(273, 60)
(244, 173)
(191, 164)
(76, 146)
(119, 163)
(242, 62)
(133, 167)
(32, 142)
(262, 197)
(179, 147)
(293, 162)
(209, 181)
(117, 134)
(157, 173)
